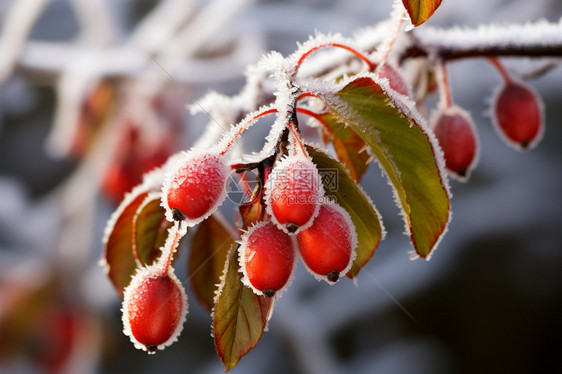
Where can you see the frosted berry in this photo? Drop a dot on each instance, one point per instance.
(154, 309)
(267, 258)
(457, 136)
(328, 246)
(518, 115)
(395, 80)
(293, 193)
(195, 187)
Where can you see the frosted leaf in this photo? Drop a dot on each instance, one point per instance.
(408, 110)
(131, 293)
(151, 182)
(294, 180)
(399, 11)
(222, 281)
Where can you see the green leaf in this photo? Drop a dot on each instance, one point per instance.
(150, 229)
(349, 146)
(240, 316)
(118, 253)
(352, 198)
(207, 258)
(406, 151)
(420, 10)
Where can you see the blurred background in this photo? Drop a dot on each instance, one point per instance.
(94, 92)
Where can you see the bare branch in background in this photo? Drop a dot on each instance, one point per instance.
(18, 24)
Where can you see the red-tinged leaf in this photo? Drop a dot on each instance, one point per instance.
(253, 211)
(339, 185)
(406, 150)
(240, 316)
(420, 10)
(207, 258)
(349, 146)
(150, 229)
(118, 255)
(118, 258)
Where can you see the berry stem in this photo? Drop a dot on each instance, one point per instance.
(169, 248)
(297, 137)
(317, 117)
(387, 44)
(370, 64)
(444, 86)
(501, 69)
(305, 95)
(243, 125)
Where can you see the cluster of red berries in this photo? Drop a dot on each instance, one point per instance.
(296, 219)
(517, 115)
(300, 220)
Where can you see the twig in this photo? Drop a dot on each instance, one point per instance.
(19, 21)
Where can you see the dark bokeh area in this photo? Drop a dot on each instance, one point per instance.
(488, 301)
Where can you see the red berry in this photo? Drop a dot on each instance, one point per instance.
(395, 80)
(134, 158)
(195, 187)
(457, 136)
(57, 334)
(154, 309)
(518, 115)
(328, 246)
(267, 257)
(293, 193)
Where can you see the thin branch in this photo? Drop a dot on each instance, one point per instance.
(540, 39)
(19, 21)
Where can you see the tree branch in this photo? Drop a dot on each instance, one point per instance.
(540, 39)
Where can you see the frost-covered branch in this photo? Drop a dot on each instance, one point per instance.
(540, 39)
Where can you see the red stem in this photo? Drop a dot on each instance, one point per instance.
(297, 137)
(371, 65)
(244, 126)
(387, 45)
(316, 116)
(444, 85)
(169, 251)
(501, 68)
(305, 95)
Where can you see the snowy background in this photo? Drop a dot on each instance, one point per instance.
(489, 301)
